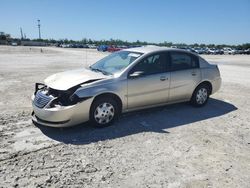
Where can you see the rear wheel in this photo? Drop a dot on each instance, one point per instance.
(103, 112)
(200, 95)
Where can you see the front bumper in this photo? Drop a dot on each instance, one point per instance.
(63, 116)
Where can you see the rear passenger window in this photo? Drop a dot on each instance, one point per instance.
(182, 61)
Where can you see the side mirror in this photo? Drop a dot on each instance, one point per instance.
(136, 74)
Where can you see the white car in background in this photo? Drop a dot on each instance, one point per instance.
(229, 51)
(13, 44)
(92, 46)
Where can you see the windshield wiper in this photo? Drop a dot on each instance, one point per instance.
(99, 70)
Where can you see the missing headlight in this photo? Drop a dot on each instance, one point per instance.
(60, 97)
(76, 99)
(72, 100)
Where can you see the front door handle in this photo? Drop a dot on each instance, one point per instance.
(193, 73)
(163, 78)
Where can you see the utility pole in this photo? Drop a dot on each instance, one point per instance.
(38, 25)
(21, 33)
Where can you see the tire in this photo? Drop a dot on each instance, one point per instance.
(103, 112)
(200, 95)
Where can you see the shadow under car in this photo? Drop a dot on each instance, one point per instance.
(150, 120)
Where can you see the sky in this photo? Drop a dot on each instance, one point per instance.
(178, 21)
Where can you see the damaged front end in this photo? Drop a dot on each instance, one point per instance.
(45, 97)
(65, 98)
(57, 108)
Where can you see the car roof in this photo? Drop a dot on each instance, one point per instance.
(149, 49)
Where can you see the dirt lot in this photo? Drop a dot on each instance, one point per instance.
(172, 146)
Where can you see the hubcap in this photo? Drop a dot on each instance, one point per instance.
(201, 96)
(104, 113)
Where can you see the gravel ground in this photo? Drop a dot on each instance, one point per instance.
(171, 146)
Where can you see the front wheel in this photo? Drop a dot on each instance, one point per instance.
(103, 112)
(200, 96)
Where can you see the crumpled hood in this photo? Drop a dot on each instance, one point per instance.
(69, 79)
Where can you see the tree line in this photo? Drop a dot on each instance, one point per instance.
(119, 42)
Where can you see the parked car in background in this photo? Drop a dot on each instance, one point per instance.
(247, 51)
(215, 51)
(76, 46)
(200, 50)
(186, 48)
(239, 51)
(13, 44)
(173, 46)
(92, 46)
(220, 51)
(114, 48)
(127, 80)
(102, 48)
(212, 51)
(229, 51)
(67, 45)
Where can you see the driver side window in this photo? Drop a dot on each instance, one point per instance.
(153, 64)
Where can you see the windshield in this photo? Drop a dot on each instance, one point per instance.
(115, 62)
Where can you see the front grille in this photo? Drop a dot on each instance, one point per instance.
(41, 99)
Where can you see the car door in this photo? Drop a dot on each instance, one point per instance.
(185, 75)
(148, 81)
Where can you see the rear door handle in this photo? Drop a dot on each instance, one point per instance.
(163, 78)
(193, 73)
